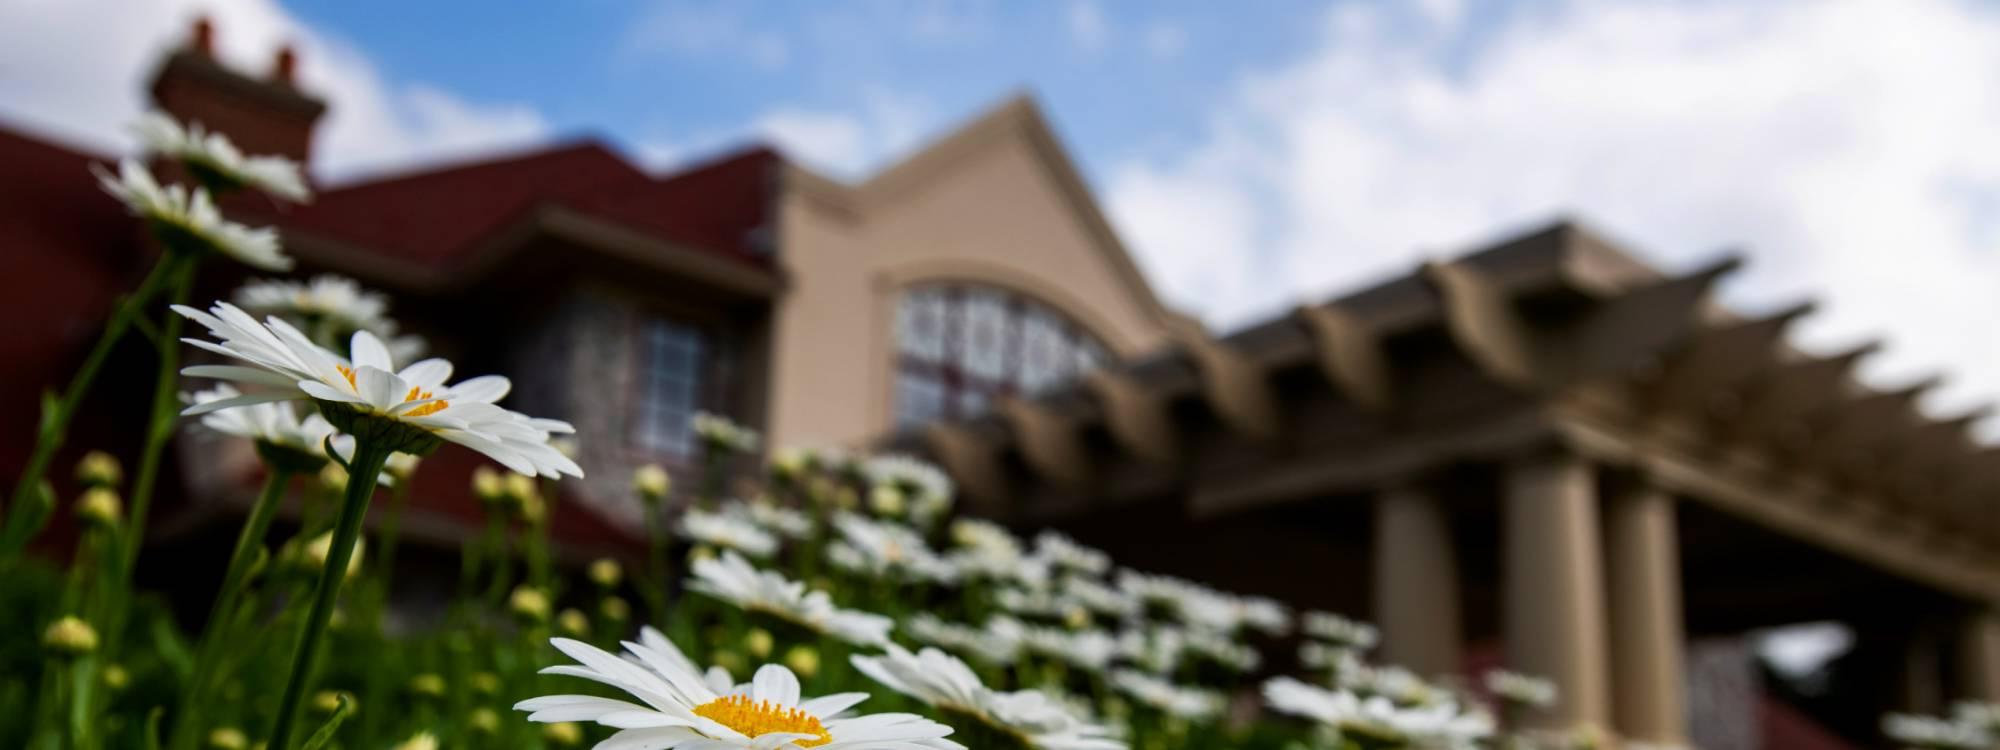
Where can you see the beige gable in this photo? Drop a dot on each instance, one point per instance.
(996, 202)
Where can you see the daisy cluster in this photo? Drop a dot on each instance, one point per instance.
(1968, 726)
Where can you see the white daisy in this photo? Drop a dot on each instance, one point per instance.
(728, 531)
(1521, 689)
(891, 548)
(367, 395)
(681, 709)
(1064, 552)
(1193, 704)
(732, 579)
(778, 519)
(1340, 631)
(1097, 597)
(1026, 718)
(1090, 650)
(184, 219)
(914, 477)
(1377, 720)
(1934, 732)
(978, 643)
(987, 550)
(721, 432)
(276, 426)
(214, 160)
(334, 304)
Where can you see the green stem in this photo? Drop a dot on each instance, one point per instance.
(369, 456)
(160, 428)
(55, 423)
(227, 599)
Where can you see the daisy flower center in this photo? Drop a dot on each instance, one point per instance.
(415, 394)
(754, 718)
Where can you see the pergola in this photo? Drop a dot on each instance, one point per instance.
(1547, 443)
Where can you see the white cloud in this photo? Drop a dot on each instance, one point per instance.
(847, 143)
(78, 68)
(1087, 27)
(1846, 145)
(707, 31)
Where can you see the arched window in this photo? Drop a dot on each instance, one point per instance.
(959, 346)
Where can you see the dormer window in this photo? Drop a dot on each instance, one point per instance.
(961, 346)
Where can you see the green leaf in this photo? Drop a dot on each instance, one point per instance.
(153, 727)
(173, 650)
(325, 734)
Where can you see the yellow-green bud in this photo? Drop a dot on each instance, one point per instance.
(615, 609)
(803, 660)
(789, 463)
(529, 603)
(401, 466)
(573, 622)
(699, 553)
(99, 469)
(759, 643)
(606, 572)
(1077, 618)
(422, 741)
(228, 738)
(428, 685)
(328, 701)
(332, 477)
(100, 506)
(487, 484)
(315, 553)
(886, 500)
(116, 678)
(845, 498)
(531, 508)
(70, 636)
(521, 488)
(483, 720)
(564, 444)
(563, 734)
(484, 683)
(652, 482)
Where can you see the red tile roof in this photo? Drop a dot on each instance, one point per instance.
(437, 217)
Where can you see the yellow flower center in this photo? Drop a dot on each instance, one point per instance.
(756, 718)
(415, 394)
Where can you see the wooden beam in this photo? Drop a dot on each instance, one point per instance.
(1349, 355)
(1137, 420)
(1236, 387)
(1719, 360)
(973, 460)
(1483, 323)
(1786, 401)
(1051, 442)
(1636, 328)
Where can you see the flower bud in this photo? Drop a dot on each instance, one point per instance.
(487, 485)
(699, 553)
(427, 685)
(729, 661)
(100, 507)
(484, 683)
(332, 477)
(573, 622)
(228, 738)
(615, 609)
(606, 573)
(529, 604)
(99, 469)
(652, 482)
(564, 444)
(759, 643)
(70, 636)
(422, 741)
(803, 660)
(325, 702)
(886, 501)
(315, 553)
(401, 466)
(531, 509)
(484, 721)
(116, 678)
(563, 734)
(789, 463)
(521, 488)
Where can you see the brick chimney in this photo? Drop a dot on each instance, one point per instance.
(262, 115)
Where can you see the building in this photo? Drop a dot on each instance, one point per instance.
(1545, 449)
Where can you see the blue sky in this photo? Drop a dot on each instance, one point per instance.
(1252, 155)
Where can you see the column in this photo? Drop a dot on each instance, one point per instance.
(1553, 596)
(1416, 583)
(1642, 559)
(1979, 657)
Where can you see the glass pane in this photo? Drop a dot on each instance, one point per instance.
(919, 398)
(1044, 351)
(670, 387)
(920, 325)
(987, 328)
(971, 403)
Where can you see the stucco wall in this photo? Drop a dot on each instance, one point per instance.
(994, 212)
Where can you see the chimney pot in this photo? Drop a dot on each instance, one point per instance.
(204, 37)
(285, 69)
